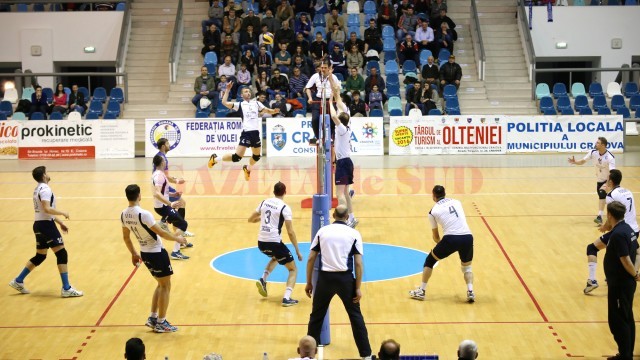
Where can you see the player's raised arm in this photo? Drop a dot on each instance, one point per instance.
(335, 93)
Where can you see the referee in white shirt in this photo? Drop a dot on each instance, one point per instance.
(320, 81)
(341, 248)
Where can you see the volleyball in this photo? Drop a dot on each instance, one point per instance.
(268, 38)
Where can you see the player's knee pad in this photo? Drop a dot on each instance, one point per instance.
(181, 224)
(256, 157)
(602, 194)
(38, 259)
(430, 261)
(236, 157)
(61, 256)
(465, 269)
(592, 250)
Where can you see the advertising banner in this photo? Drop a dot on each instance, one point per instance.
(471, 134)
(79, 139)
(9, 134)
(563, 133)
(290, 137)
(193, 137)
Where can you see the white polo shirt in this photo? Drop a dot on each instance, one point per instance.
(626, 198)
(273, 213)
(337, 243)
(450, 215)
(43, 192)
(250, 114)
(160, 179)
(322, 82)
(342, 144)
(603, 163)
(139, 222)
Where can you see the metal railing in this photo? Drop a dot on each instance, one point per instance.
(481, 58)
(571, 71)
(530, 53)
(123, 43)
(124, 75)
(176, 44)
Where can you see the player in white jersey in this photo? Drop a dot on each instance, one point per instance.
(604, 161)
(342, 147)
(140, 222)
(251, 111)
(272, 214)
(457, 238)
(625, 197)
(166, 208)
(47, 235)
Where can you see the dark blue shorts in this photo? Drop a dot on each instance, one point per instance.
(278, 251)
(250, 139)
(171, 216)
(173, 198)
(449, 244)
(344, 172)
(158, 263)
(47, 234)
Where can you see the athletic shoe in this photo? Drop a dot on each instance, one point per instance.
(187, 245)
(591, 285)
(188, 234)
(164, 327)
(177, 255)
(212, 160)
(247, 173)
(353, 223)
(598, 220)
(471, 297)
(313, 141)
(615, 357)
(417, 294)
(262, 287)
(289, 302)
(151, 322)
(71, 293)
(352, 193)
(19, 286)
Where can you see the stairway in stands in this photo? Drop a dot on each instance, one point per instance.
(506, 79)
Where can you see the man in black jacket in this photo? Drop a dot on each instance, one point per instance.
(372, 37)
(211, 40)
(76, 100)
(430, 71)
(357, 106)
(450, 73)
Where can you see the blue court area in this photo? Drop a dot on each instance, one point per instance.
(381, 262)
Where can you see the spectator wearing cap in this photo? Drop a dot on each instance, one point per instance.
(450, 73)
(407, 24)
(251, 19)
(426, 38)
(303, 26)
(372, 37)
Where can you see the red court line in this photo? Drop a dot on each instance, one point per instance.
(106, 311)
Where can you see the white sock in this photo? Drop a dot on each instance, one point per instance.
(154, 315)
(470, 287)
(423, 286)
(265, 275)
(176, 247)
(161, 320)
(351, 217)
(592, 270)
(600, 213)
(287, 293)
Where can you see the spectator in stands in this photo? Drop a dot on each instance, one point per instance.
(372, 37)
(335, 18)
(354, 83)
(300, 63)
(357, 106)
(307, 348)
(249, 40)
(297, 82)
(301, 42)
(353, 40)
(264, 61)
(134, 349)
(38, 103)
(270, 21)
(426, 99)
(262, 82)
(436, 7)
(422, 7)
(450, 73)
(278, 83)
(282, 59)
(401, 7)
(262, 98)
(284, 13)
(408, 50)
(425, 37)
(319, 49)
(279, 103)
(444, 37)
(355, 58)
(414, 97)
(243, 76)
(265, 5)
(468, 350)
(76, 100)
(249, 61)
(216, 14)
(373, 79)
(251, 19)
(386, 14)
(338, 62)
(304, 7)
(430, 71)
(442, 17)
(222, 87)
(389, 350)
(303, 26)
(407, 23)
(230, 49)
(234, 24)
(105, 6)
(336, 35)
(335, 4)
(375, 98)
(261, 41)
(211, 41)
(59, 100)
(237, 9)
(204, 86)
(285, 34)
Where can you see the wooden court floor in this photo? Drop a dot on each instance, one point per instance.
(531, 226)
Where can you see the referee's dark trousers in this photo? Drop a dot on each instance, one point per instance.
(621, 323)
(342, 284)
(316, 112)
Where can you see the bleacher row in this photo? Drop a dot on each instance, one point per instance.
(100, 105)
(38, 7)
(559, 101)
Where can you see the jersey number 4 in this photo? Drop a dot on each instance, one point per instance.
(452, 210)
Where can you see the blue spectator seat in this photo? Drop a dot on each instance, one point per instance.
(110, 116)
(222, 111)
(303, 102)
(409, 66)
(92, 116)
(116, 94)
(48, 93)
(630, 89)
(56, 115)
(353, 20)
(18, 115)
(634, 102)
(370, 8)
(586, 111)
(100, 94)
(84, 92)
(391, 67)
(452, 105)
(550, 111)
(613, 2)
(393, 79)
(113, 107)
(211, 58)
(376, 113)
(559, 89)
(434, 112)
(303, 113)
(546, 103)
(599, 102)
(563, 103)
(387, 32)
(3, 117)
(55, 7)
(319, 21)
(617, 102)
(389, 44)
(355, 29)
(6, 108)
(393, 90)
(95, 107)
(37, 116)
(449, 92)
(368, 17)
(637, 116)
(577, 89)
(394, 103)
(568, 111)
(626, 114)
(453, 112)
(630, 2)
(339, 76)
(594, 3)
(595, 89)
(424, 56)
(395, 112)
(443, 56)
(389, 55)
(202, 113)
(542, 90)
(321, 30)
(581, 102)
(373, 64)
(22, 7)
(604, 111)
(120, 7)
(38, 7)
